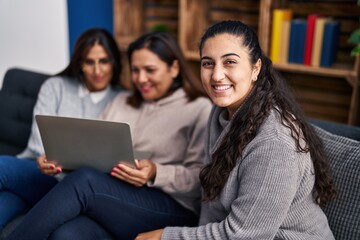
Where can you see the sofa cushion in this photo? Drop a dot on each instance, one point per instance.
(343, 213)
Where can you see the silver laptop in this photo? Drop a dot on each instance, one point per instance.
(75, 143)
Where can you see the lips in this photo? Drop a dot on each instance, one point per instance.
(98, 78)
(145, 88)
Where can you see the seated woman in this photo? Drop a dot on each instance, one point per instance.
(82, 89)
(266, 173)
(167, 118)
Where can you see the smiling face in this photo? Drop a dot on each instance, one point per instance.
(152, 76)
(226, 71)
(97, 68)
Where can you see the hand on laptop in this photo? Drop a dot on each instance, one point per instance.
(144, 172)
(48, 167)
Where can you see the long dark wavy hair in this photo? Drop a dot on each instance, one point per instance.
(165, 46)
(82, 47)
(270, 93)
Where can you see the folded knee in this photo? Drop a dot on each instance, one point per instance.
(82, 175)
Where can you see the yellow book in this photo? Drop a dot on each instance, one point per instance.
(279, 15)
(318, 40)
(284, 41)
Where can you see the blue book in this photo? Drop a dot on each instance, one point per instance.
(330, 43)
(297, 41)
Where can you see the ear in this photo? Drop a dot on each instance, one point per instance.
(175, 69)
(256, 69)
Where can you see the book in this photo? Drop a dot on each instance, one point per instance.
(284, 40)
(297, 40)
(279, 15)
(318, 40)
(311, 19)
(330, 43)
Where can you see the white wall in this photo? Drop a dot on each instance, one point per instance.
(33, 35)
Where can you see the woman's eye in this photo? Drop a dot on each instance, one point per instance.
(230, 62)
(134, 70)
(206, 63)
(150, 70)
(104, 61)
(88, 62)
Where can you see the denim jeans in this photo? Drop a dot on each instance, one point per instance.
(116, 206)
(21, 186)
(81, 227)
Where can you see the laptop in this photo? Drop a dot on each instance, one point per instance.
(75, 142)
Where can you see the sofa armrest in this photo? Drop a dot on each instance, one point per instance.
(18, 96)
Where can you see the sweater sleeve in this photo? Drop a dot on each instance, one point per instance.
(182, 180)
(267, 181)
(47, 103)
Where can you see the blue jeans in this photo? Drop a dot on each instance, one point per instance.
(22, 185)
(117, 207)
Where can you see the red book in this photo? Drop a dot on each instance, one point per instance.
(309, 37)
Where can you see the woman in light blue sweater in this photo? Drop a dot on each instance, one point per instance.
(267, 174)
(82, 90)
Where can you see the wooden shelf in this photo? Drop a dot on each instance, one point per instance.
(337, 71)
(347, 12)
(188, 19)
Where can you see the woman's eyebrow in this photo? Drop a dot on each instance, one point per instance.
(230, 54)
(205, 57)
(223, 56)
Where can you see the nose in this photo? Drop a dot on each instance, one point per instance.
(142, 77)
(97, 68)
(218, 73)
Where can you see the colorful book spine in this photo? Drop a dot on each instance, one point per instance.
(309, 38)
(279, 15)
(297, 41)
(285, 37)
(330, 43)
(318, 41)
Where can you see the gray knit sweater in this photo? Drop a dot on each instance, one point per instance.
(60, 96)
(268, 195)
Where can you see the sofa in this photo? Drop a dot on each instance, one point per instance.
(342, 146)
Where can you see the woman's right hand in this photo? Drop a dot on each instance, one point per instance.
(47, 167)
(144, 171)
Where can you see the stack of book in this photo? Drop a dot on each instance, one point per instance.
(312, 41)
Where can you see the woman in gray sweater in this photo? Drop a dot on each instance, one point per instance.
(266, 174)
(82, 90)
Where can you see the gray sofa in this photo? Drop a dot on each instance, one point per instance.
(342, 145)
(343, 153)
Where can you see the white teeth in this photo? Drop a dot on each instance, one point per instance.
(222, 87)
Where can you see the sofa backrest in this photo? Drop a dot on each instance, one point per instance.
(340, 129)
(17, 99)
(343, 213)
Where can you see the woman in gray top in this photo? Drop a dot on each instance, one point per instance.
(267, 174)
(82, 90)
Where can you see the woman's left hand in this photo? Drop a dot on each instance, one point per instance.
(145, 171)
(153, 235)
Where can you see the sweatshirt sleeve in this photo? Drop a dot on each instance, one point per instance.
(46, 104)
(267, 182)
(182, 180)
